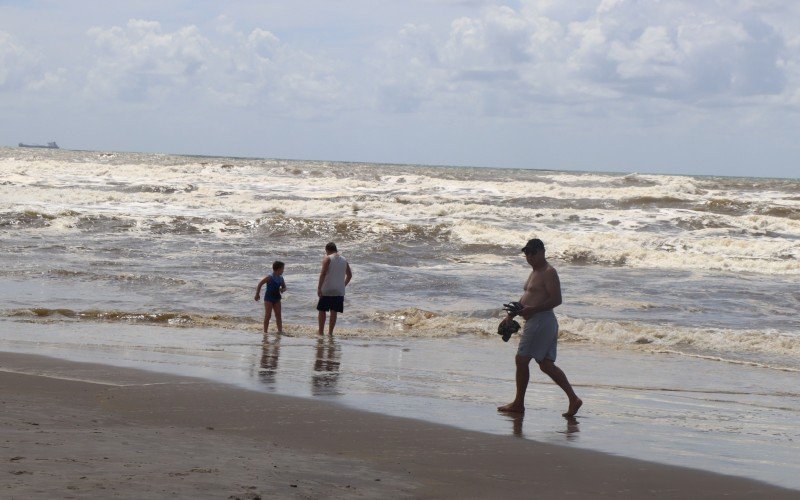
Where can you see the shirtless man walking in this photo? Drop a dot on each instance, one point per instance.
(540, 334)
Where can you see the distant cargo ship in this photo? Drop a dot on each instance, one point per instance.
(50, 145)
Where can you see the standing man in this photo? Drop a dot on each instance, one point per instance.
(333, 278)
(540, 335)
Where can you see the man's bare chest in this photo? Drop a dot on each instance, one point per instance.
(535, 282)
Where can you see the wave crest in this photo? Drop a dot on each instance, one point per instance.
(723, 344)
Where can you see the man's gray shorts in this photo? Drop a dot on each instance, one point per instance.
(539, 337)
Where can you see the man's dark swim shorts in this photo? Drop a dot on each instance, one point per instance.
(327, 303)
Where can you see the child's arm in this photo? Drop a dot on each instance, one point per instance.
(260, 284)
(283, 286)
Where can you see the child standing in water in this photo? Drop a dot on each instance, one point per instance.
(272, 296)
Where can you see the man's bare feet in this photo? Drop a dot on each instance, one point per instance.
(512, 408)
(574, 406)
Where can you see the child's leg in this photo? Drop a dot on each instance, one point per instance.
(278, 319)
(267, 314)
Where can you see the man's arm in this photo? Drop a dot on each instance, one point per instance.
(348, 275)
(553, 287)
(326, 262)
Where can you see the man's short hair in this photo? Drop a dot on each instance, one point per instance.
(533, 246)
(331, 247)
(277, 265)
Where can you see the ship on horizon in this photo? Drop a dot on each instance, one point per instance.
(50, 145)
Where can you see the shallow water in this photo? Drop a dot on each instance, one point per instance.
(739, 420)
(701, 265)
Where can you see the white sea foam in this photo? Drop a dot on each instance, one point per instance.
(472, 212)
(727, 343)
(683, 339)
(743, 344)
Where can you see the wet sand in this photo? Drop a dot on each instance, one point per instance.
(78, 430)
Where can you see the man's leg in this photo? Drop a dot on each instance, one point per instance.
(560, 378)
(333, 322)
(523, 376)
(321, 320)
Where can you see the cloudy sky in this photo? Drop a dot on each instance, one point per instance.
(700, 86)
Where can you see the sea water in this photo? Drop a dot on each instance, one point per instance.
(152, 260)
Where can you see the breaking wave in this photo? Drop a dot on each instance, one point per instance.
(138, 224)
(178, 319)
(745, 345)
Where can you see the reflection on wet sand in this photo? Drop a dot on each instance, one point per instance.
(270, 351)
(326, 367)
(517, 420)
(572, 429)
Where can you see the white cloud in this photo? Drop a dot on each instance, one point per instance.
(23, 70)
(601, 52)
(407, 67)
(142, 62)
(139, 61)
(587, 55)
(18, 65)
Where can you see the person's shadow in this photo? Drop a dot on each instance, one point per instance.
(326, 367)
(270, 352)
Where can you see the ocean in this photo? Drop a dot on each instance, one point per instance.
(674, 287)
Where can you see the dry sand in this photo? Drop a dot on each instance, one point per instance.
(74, 430)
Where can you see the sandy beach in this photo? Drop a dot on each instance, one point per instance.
(78, 430)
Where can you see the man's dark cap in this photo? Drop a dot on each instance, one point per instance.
(533, 246)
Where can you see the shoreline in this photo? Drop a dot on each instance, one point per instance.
(83, 429)
(660, 408)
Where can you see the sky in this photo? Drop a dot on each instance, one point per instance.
(685, 87)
